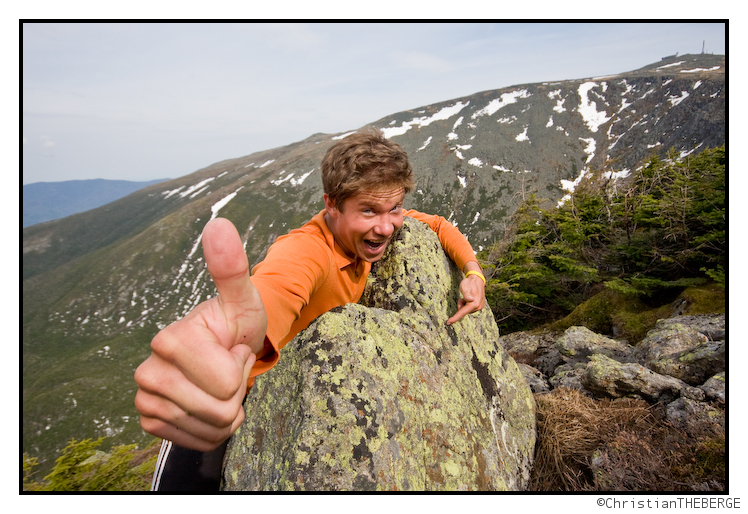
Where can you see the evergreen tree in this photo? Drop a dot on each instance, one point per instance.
(664, 232)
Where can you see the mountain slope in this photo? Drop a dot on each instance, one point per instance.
(98, 285)
(45, 201)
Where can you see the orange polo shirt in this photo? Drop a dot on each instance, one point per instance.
(306, 273)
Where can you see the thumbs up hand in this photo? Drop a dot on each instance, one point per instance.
(191, 388)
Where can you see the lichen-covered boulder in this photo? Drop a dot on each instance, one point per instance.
(693, 366)
(605, 376)
(668, 339)
(684, 351)
(578, 343)
(710, 325)
(536, 350)
(384, 396)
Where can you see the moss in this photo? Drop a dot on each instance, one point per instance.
(706, 299)
(390, 398)
(625, 316)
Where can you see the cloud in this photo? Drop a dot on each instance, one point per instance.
(47, 142)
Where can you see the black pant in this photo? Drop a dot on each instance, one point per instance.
(184, 470)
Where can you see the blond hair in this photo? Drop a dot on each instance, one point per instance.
(365, 161)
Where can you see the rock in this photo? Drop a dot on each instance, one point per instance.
(578, 343)
(606, 376)
(384, 396)
(695, 418)
(693, 366)
(711, 325)
(534, 378)
(538, 351)
(682, 351)
(715, 387)
(667, 339)
(568, 376)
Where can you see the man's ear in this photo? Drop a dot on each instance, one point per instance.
(330, 207)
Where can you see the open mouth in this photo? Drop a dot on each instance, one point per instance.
(374, 245)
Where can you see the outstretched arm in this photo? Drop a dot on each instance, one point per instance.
(191, 388)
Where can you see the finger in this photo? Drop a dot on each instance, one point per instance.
(187, 424)
(172, 433)
(194, 352)
(463, 309)
(240, 315)
(227, 262)
(193, 413)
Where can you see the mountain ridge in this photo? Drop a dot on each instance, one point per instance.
(47, 201)
(98, 285)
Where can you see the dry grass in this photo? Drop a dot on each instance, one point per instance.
(619, 445)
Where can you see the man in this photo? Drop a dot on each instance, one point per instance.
(191, 388)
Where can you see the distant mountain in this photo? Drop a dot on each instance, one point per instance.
(98, 285)
(45, 201)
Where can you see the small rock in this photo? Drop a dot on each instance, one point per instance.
(534, 378)
(694, 417)
(715, 388)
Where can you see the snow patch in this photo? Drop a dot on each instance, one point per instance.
(615, 175)
(426, 143)
(172, 192)
(195, 187)
(301, 179)
(443, 114)
(476, 162)
(696, 70)
(592, 117)
(504, 100)
(670, 65)
(559, 101)
(281, 180)
(570, 185)
(341, 136)
(590, 150)
(675, 100)
(456, 149)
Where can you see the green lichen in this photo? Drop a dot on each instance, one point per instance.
(385, 396)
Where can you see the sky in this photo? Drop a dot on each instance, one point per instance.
(146, 101)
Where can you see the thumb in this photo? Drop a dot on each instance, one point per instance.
(227, 262)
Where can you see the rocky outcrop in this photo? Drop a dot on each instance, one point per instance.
(680, 363)
(383, 395)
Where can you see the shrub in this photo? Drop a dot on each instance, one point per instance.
(82, 467)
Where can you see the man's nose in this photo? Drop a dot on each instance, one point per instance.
(385, 227)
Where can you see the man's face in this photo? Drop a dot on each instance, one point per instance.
(365, 223)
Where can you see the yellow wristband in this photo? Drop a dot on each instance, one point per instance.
(477, 274)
